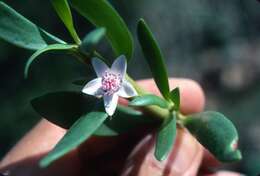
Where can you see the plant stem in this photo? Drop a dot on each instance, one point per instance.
(154, 110)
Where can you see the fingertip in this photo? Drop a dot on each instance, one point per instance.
(184, 159)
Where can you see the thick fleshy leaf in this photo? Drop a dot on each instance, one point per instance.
(64, 108)
(175, 97)
(123, 121)
(154, 57)
(43, 50)
(16, 29)
(102, 14)
(63, 10)
(76, 135)
(91, 40)
(149, 99)
(216, 133)
(165, 138)
(127, 90)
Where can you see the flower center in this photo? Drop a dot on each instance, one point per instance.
(111, 82)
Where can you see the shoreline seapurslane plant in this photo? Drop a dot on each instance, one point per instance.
(84, 114)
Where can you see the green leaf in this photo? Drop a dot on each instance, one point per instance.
(175, 97)
(43, 50)
(76, 135)
(124, 120)
(149, 99)
(16, 29)
(64, 108)
(216, 133)
(49, 38)
(102, 14)
(80, 82)
(154, 57)
(165, 138)
(63, 10)
(91, 40)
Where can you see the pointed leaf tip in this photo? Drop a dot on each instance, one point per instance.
(154, 57)
(63, 10)
(175, 97)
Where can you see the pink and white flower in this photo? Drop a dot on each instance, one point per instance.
(110, 83)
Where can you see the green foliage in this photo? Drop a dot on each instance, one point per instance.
(91, 40)
(165, 138)
(175, 97)
(16, 29)
(76, 135)
(124, 120)
(153, 57)
(149, 99)
(102, 14)
(64, 108)
(43, 50)
(80, 82)
(63, 10)
(216, 133)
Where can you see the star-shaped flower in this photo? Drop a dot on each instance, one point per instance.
(110, 83)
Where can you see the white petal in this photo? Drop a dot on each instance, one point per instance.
(110, 103)
(127, 90)
(119, 65)
(99, 66)
(93, 87)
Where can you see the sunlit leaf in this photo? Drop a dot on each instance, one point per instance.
(149, 99)
(216, 133)
(102, 14)
(63, 10)
(153, 57)
(175, 97)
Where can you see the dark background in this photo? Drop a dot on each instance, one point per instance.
(213, 42)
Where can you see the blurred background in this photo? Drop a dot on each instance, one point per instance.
(216, 43)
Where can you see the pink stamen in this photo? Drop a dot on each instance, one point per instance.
(111, 82)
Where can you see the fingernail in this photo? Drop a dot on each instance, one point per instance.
(184, 153)
(142, 162)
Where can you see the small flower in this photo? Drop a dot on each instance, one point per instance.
(110, 83)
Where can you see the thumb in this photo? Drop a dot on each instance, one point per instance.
(184, 160)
